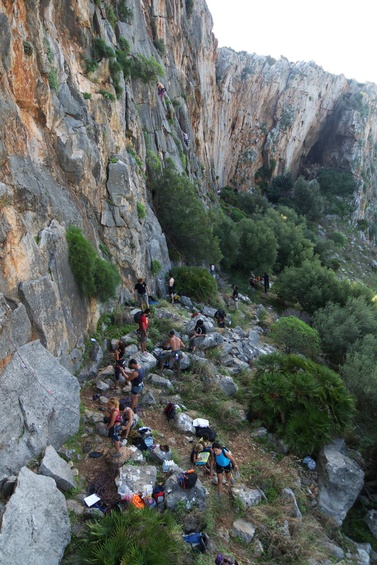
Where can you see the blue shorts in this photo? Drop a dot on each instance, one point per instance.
(114, 432)
(137, 389)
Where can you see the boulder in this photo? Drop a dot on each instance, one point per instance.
(184, 423)
(371, 520)
(209, 312)
(39, 405)
(289, 496)
(340, 480)
(186, 301)
(35, 525)
(248, 497)
(227, 385)
(161, 381)
(15, 327)
(244, 530)
(146, 360)
(55, 467)
(137, 477)
(192, 498)
(148, 399)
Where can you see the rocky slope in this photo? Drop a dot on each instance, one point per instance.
(70, 155)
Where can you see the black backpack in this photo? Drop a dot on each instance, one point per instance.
(187, 480)
(170, 411)
(209, 431)
(137, 316)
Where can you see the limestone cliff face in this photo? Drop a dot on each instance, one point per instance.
(70, 155)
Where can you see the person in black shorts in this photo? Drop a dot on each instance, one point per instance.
(141, 293)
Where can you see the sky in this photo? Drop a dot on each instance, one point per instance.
(340, 36)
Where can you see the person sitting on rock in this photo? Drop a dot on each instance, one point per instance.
(220, 316)
(199, 335)
(128, 421)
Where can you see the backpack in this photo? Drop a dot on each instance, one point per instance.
(137, 316)
(188, 479)
(145, 443)
(197, 541)
(158, 494)
(209, 431)
(170, 411)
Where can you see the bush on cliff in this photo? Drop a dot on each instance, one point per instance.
(95, 277)
(185, 222)
(295, 396)
(195, 282)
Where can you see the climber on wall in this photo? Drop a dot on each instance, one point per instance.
(160, 90)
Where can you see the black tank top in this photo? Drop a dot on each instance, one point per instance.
(139, 378)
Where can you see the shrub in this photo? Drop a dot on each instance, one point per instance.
(160, 46)
(155, 267)
(53, 80)
(28, 48)
(295, 336)
(186, 223)
(189, 7)
(340, 326)
(307, 199)
(124, 61)
(141, 212)
(86, 95)
(338, 238)
(94, 276)
(134, 536)
(91, 65)
(295, 396)
(110, 15)
(107, 95)
(257, 246)
(115, 68)
(147, 70)
(280, 189)
(195, 282)
(124, 12)
(124, 44)
(101, 49)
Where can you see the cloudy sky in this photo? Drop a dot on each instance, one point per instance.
(340, 36)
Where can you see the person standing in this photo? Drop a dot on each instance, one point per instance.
(141, 293)
(114, 424)
(119, 360)
(222, 460)
(171, 287)
(136, 377)
(186, 139)
(143, 330)
(235, 296)
(176, 345)
(212, 271)
(266, 282)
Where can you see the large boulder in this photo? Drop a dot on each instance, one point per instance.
(15, 327)
(136, 478)
(184, 423)
(55, 467)
(340, 480)
(35, 526)
(39, 405)
(192, 498)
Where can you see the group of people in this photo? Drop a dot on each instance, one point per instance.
(255, 281)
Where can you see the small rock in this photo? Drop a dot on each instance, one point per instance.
(244, 530)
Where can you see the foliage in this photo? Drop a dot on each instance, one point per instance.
(147, 70)
(115, 68)
(338, 238)
(340, 326)
(295, 336)
(124, 44)
(111, 15)
(28, 48)
(311, 285)
(155, 267)
(337, 187)
(101, 49)
(124, 61)
(107, 94)
(307, 199)
(160, 46)
(94, 276)
(86, 95)
(134, 536)
(141, 212)
(53, 80)
(294, 395)
(280, 188)
(226, 232)
(257, 246)
(183, 217)
(189, 7)
(195, 282)
(124, 12)
(91, 65)
(360, 374)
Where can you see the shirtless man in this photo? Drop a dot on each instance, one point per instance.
(175, 353)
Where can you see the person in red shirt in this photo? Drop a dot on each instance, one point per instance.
(143, 330)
